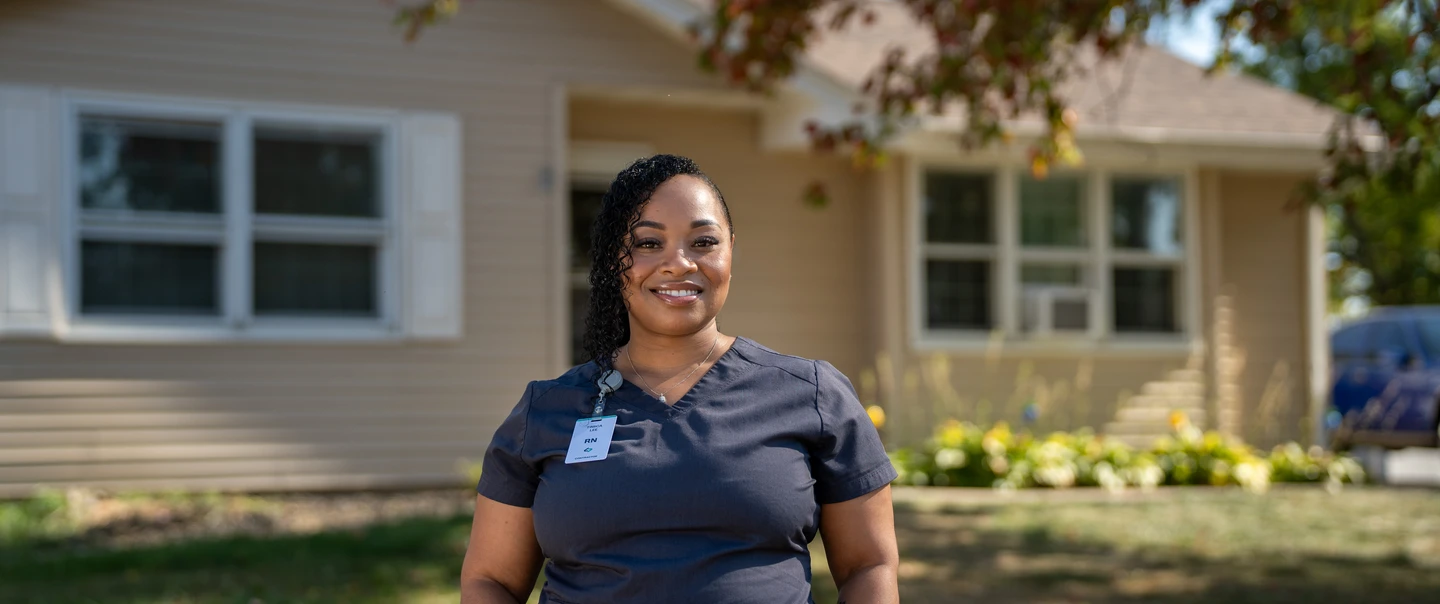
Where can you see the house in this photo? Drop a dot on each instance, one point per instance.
(248, 244)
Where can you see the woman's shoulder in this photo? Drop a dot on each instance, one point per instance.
(577, 381)
(809, 370)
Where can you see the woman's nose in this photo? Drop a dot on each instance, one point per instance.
(679, 261)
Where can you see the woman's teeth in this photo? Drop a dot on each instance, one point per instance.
(678, 292)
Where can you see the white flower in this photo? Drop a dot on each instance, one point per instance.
(1061, 475)
(1253, 476)
(1108, 479)
(949, 459)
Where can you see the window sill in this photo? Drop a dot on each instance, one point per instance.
(985, 344)
(210, 332)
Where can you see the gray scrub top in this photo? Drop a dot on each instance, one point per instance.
(711, 499)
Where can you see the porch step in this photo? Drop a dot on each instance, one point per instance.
(1158, 416)
(1194, 376)
(1165, 401)
(1168, 388)
(1139, 442)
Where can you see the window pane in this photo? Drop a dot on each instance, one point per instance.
(149, 165)
(579, 305)
(584, 207)
(1052, 212)
(1144, 300)
(1052, 274)
(1146, 215)
(957, 208)
(313, 279)
(148, 278)
(957, 294)
(317, 173)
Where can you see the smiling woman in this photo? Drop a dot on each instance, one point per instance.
(701, 466)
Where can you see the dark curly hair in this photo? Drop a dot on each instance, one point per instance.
(607, 322)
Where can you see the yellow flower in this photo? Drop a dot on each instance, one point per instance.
(1178, 419)
(877, 415)
(952, 434)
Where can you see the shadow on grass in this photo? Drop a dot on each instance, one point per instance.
(962, 556)
(415, 560)
(411, 560)
(955, 554)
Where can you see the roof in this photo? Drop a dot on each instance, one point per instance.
(1146, 88)
(1147, 93)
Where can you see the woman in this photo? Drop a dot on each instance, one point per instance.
(700, 476)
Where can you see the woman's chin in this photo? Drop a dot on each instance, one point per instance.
(677, 326)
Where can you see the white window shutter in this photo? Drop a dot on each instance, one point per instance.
(431, 200)
(29, 200)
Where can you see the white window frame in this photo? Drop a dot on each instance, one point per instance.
(235, 229)
(1101, 259)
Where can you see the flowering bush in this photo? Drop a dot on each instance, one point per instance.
(963, 454)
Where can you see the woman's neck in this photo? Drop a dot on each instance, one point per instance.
(657, 352)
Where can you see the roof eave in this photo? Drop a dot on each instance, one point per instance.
(810, 94)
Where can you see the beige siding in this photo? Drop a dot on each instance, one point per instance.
(797, 286)
(1262, 280)
(919, 388)
(1252, 286)
(306, 416)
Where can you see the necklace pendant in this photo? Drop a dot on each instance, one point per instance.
(662, 400)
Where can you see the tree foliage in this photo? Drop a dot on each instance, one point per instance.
(1383, 206)
(1376, 61)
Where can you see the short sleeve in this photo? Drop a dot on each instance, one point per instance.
(850, 461)
(507, 475)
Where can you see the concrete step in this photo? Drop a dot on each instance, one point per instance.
(1163, 388)
(1186, 375)
(1158, 415)
(1132, 428)
(1142, 442)
(1157, 401)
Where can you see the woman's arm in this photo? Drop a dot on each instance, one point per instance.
(859, 537)
(503, 557)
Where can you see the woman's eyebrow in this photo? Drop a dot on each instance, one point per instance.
(694, 225)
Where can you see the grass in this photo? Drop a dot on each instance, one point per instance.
(1179, 546)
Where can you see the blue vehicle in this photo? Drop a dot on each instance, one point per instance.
(1386, 379)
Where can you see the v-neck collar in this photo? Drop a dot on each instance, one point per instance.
(636, 397)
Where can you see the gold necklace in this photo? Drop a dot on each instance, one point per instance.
(661, 395)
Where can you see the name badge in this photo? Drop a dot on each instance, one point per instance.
(591, 441)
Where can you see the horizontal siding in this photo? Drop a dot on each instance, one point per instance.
(390, 462)
(1263, 272)
(311, 433)
(258, 416)
(999, 391)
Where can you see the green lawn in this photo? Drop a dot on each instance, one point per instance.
(1202, 545)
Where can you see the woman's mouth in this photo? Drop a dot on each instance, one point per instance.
(677, 296)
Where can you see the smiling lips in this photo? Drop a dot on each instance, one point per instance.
(678, 296)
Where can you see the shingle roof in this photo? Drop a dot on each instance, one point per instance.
(1147, 88)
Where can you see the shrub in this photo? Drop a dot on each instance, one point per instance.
(963, 454)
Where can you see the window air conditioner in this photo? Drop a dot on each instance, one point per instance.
(1050, 310)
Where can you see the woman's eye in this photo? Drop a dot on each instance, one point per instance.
(707, 241)
(647, 244)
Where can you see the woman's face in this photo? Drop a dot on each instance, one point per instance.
(681, 249)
